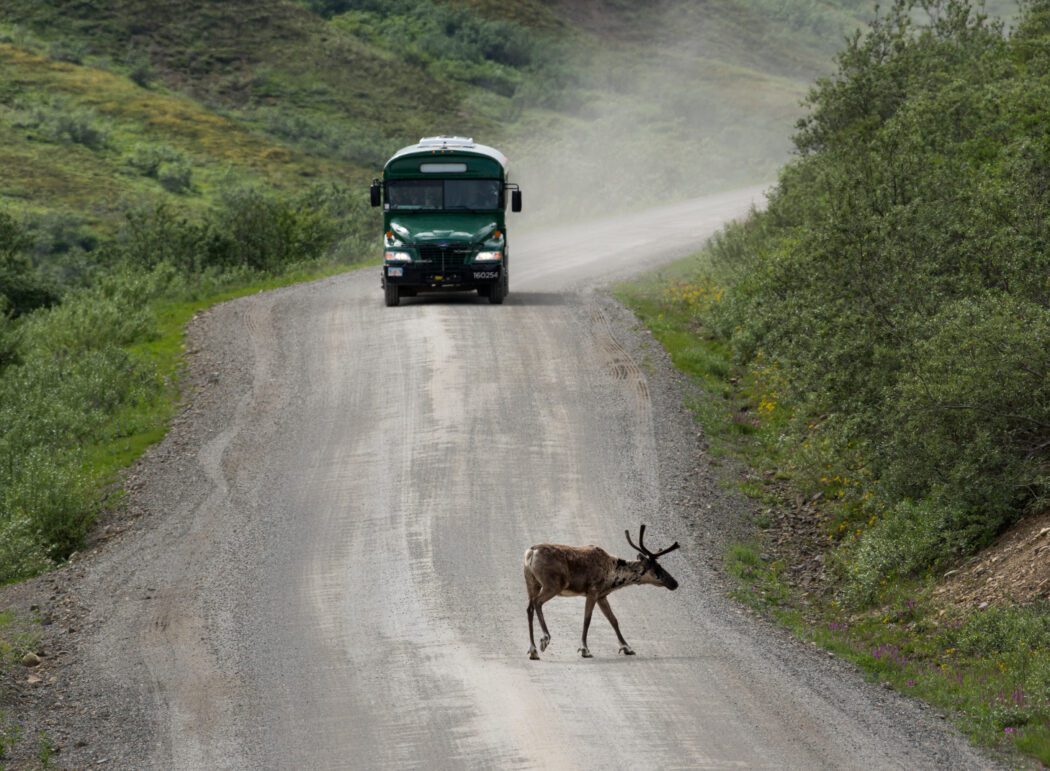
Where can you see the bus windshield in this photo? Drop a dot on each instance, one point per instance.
(443, 194)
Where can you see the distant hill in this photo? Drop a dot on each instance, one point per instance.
(105, 104)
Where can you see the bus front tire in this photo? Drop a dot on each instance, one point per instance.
(498, 291)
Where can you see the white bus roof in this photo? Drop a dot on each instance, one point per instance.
(434, 145)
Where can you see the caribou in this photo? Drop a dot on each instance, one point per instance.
(553, 570)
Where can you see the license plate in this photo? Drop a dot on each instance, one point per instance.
(395, 271)
(486, 274)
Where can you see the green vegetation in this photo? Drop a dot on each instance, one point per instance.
(878, 340)
(280, 91)
(87, 384)
(18, 636)
(898, 286)
(893, 299)
(989, 669)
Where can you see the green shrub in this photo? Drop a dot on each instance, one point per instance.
(71, 375)
(147, 159)
(58, 119)
(250, 230)
(111, 312)
(971, 412)
(906, 539)
(9, 338)
(63, 249)
(997, 631)
(898, 282)
(21, 554)
(51, 493)
(77, 125)
(176, 176)
(267, 233)
(170, 167)
(140, 70)
(326, 137)
(22, 287)
(161, 235)
(72, 51)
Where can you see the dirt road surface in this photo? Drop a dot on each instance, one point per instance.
(327, 569)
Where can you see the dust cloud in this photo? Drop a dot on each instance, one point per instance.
(666, 106)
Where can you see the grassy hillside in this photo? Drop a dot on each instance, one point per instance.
(690, 97)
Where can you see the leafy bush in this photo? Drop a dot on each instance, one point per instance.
(22, 287)
(140, 70)
(426, 33)
(170, 167)
(267, 233)
(906, 539)
(175, 177)
(51, 499)
(9, 339)
(248, 229)
(77, 125)
(146, 159)
(104, 314)
(58, 119)
(325, 137)
(1001, 630)
(68, 377)
(68, 51)
(899, 281)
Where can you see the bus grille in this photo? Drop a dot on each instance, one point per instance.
(445, 257)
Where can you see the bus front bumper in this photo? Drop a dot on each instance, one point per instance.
(428, 276)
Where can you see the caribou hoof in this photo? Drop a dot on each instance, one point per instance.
(585, 653)
(533, 655)
(626, 650)
(544, 642)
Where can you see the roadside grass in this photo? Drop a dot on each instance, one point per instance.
(64, 449)
(136, 427)
(736, 407)
(988, 670)
(18, 635)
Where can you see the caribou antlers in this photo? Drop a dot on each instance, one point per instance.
(641, 544)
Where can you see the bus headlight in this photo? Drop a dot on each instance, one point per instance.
(397, 256)
(488, 257)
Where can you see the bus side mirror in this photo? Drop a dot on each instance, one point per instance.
(515, 200)
(374, 191)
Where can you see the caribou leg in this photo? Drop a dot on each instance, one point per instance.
(625, 649)
(587, 611)
(537, 603)
(532, 640)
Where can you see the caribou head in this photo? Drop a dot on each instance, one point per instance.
(652, 572)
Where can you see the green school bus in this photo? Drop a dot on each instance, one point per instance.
(444, 204)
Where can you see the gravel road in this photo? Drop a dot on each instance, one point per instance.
(326, 569)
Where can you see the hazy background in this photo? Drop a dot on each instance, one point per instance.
(601, 104)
